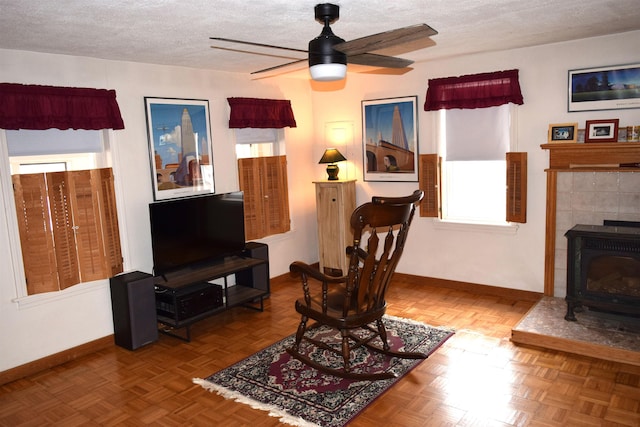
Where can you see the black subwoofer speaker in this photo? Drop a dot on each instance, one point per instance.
(134, 309)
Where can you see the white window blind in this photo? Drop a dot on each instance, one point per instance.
(256, 135)
(477, 134)
(53, 141)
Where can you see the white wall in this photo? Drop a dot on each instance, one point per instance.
(473, 254)
(514, 261)
(46, 324)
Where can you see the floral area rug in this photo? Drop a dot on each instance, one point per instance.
(299, 395)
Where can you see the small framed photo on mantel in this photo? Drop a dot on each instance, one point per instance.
(563, 132)
(601, 131)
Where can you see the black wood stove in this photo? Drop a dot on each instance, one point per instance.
(603, 268)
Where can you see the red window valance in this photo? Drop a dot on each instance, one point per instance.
(46, 107)
(260, 113)
(474, 91)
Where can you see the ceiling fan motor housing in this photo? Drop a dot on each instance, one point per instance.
(321, 48)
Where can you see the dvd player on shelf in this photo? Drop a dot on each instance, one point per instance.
(188, 301)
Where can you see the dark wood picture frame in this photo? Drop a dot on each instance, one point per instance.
(601, 130)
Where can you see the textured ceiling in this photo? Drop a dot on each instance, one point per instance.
(177, 32)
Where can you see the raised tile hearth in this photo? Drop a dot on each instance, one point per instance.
(595, 334)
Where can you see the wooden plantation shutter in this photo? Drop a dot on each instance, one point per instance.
(429, 181)
(96, 224)
(517, 187)
(264, 183)
(276, 194)
(63, 229)
(68, 228)
(249, 177)
(109, 216)
(34, 225)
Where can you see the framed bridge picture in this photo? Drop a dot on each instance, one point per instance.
(390, 139)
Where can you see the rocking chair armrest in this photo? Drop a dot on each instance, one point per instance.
(299, 267)
(362, 254)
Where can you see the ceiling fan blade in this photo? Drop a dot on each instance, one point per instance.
(385, 40)
(257, 44)
(374, 60)
(228, 49)
(264, 70)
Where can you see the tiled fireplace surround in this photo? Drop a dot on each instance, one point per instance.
(589, 198)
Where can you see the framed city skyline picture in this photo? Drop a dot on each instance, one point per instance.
(179, 137)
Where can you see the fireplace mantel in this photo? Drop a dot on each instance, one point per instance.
(572, 157)
(565, 156)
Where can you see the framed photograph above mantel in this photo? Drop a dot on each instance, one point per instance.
(604, 88)
(390, 139)
(563, 132)
(601, 131)
(179, 147)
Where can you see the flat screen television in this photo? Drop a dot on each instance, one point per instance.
(193, 231)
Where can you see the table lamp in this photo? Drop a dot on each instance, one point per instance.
(332, 156)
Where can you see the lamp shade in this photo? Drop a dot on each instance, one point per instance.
(332, 155)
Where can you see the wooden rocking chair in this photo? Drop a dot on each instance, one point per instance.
(356, 301)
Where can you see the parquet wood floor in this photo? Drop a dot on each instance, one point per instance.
(477, 378)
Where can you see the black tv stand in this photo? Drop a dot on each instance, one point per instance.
(186, 296)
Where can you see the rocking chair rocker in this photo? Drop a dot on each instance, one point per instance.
(356, 301)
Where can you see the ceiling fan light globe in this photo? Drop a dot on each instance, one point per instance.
(328, 72)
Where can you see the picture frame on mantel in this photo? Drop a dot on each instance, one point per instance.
(390, 139)
(601, 131)
(179, 137)
(562, 133)
(604, 88)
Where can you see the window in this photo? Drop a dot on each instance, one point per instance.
(67, 219)
(252, 142)
(262, 164)
(473, 145)
(262, 173)
(474, 178)
(65, 208)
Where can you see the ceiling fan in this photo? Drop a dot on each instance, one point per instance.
(328, 54)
